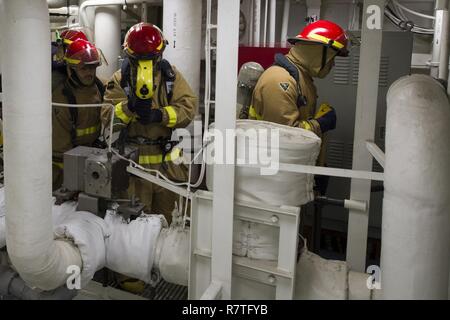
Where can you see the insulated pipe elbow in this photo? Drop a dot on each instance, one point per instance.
(416, 223)
(40, 260)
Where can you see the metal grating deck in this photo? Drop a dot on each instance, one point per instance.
(162, 291)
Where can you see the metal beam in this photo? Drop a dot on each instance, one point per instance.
(376, 152)
(325, 171)
(160, 182)
(225, 116)
(212, 292)
(365, 117)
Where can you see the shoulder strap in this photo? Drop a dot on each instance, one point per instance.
(125, 75)
(100, 87)
(169, 76)
(68, 93)
(282, 61)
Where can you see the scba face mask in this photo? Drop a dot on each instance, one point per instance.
(144, 79)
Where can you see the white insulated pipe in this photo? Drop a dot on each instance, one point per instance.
(84, 21)
(73, 11)
(285, 23)
(257, 23)
(273, 14)
(416, 207)
(182, 27)
(60, 3)
(107, 38)
(39, 259)
(64, 10)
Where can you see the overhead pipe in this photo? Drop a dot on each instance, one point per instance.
(63, 14)
(108, 18)
(416, 216)
(65, 11)
(95, 3)
(182, 27)
(61, 3)
(257, 23)
(285, 22)
(273, 14)
(39, 259)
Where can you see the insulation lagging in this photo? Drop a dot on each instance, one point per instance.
(296, 146)
(127, 247)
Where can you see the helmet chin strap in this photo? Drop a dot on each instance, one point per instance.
(324, 57)
(325, 53)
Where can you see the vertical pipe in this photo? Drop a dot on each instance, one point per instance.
(440, 38)
(273, 15)
(416, 216)
(284, 26)
(257, 23)
(182, 23)
(436, 49)
(266, 12)
(107, 38)
(39, 259)
(251, 23)
(313, 8)
(1, 52)
(87, 18)
(225, 116)
(144, 12)
(445, 42)
(365, 117)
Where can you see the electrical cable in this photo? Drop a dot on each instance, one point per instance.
(402, 7)
(406, 25)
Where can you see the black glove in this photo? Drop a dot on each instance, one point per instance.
(143, 108)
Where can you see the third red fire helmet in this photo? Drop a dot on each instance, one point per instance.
(70, 35)
(324, 32)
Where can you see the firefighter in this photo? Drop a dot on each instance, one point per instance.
(285, 92)
(59, 48)
(76, 126)
(151, 99)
